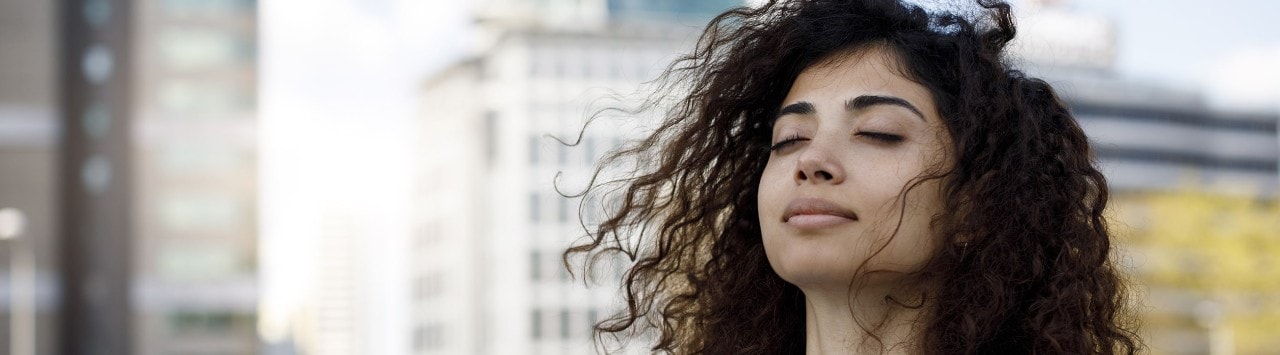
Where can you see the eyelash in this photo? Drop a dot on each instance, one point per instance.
(883, 137)
(785, 142)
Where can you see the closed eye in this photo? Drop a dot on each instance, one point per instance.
(880, 136)
(787, 142)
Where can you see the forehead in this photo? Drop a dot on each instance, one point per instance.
(845, 75)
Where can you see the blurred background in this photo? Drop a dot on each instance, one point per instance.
(378, 176)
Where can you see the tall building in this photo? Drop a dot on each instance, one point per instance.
(195, 192)
(490, 229)
(490, 225)
(1153, 142)
(146, 111)
(1148, 137)
(28, 180)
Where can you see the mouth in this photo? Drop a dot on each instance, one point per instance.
(813, 213)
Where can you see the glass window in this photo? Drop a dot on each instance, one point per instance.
(592, 212)
(208, 6)
(669, 8)
(191, 322)
(564, 324)
(536, 323)
(187, 97)
(615, 69)
(562, 209)
(195, 49)
(592, 318)
(420, 287)
(435, 336)
(433, 284)
(419, 337)
(201, 262)
(562, 156)
(541, 61)
(535, 265)
(620, 266)
(201, 211)
(533, 150)
(179, 158)
(535, 214)
(560, 66)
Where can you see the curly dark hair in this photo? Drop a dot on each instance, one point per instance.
(1024, 197)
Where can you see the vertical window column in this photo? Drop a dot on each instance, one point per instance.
(95, 144)
(536, 324)
(564, 324)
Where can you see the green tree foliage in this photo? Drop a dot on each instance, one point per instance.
(1192, 245)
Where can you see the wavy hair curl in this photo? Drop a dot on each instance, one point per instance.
(1023, 193)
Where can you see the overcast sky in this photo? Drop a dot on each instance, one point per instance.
(1224, 47)
(1227, 47)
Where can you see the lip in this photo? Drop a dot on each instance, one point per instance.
(814, 213)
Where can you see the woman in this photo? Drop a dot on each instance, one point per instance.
(862, 176)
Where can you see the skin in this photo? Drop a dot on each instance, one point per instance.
(858, 158)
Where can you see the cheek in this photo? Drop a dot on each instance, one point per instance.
(883, 179)
(770, 191)
(915, 238)
(906, 219)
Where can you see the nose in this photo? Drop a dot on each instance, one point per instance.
(817, 165)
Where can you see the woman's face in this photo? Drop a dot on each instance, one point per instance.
(850, 135)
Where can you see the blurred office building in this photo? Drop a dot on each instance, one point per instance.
(490, 225)
(128, 137)
(488, 277)
(195, 192)
(28, 158)
(1147, 136)
(1194, 189)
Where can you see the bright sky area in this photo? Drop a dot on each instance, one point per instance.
(1223, 45)
(1230, 47)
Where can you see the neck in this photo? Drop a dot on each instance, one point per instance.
(831, 328)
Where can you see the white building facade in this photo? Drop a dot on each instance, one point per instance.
(491, 226)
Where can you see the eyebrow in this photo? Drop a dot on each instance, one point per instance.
(865, 101)
(799, 108)
(854, 104)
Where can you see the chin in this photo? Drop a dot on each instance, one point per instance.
(808, 264)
